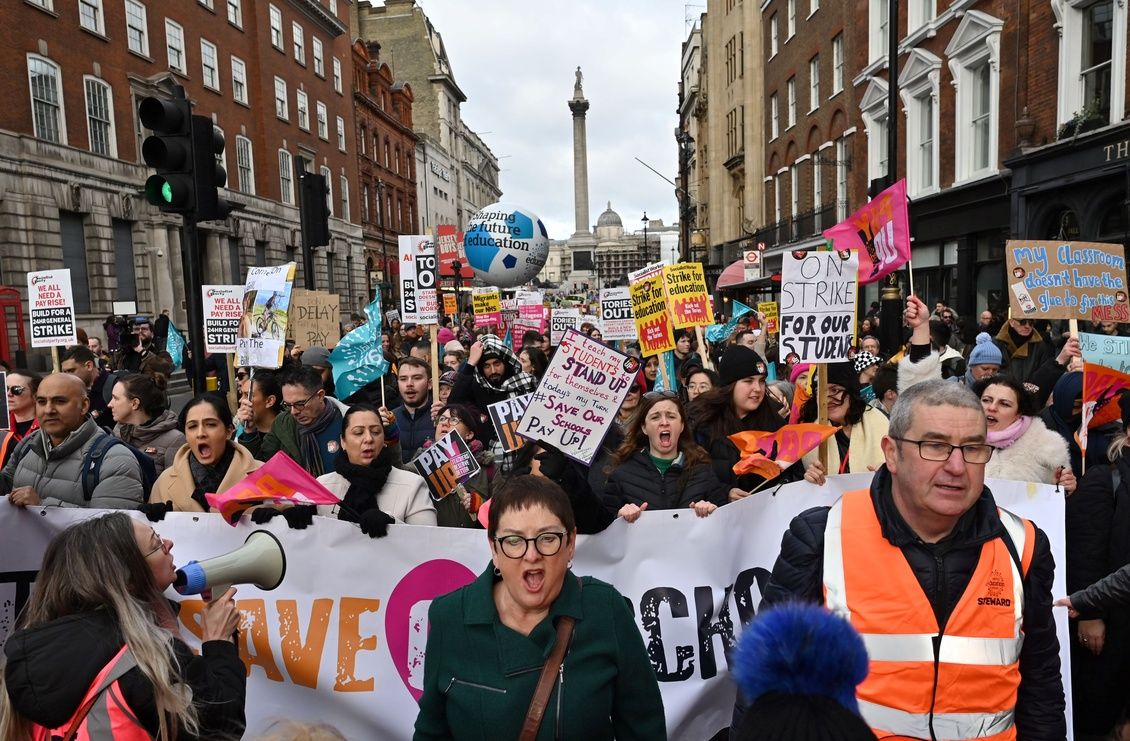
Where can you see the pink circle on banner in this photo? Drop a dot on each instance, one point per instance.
(406, 619)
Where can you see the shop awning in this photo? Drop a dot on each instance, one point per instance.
(734, 277)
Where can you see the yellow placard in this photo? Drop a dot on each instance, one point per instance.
(769, 309)
(649, 307)
(687, 297)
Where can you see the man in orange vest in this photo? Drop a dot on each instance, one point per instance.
(951, 594)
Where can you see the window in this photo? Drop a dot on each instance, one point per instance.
(174, 45)
(281, 99)
(235, 13)
(245, 165)
(773, 36)
(817, 188)
(331, 270)
(137, 30)
(206, 3)
(100, 117)
(920, 12)
(328, 177)
(790, 88)
(777, 197)
(920, 91)
(72, 234)
(774, 117)
(323, 121)
(791, 20)
(46, 100)
(794, 190)
(286, 178)
(878, 23)
(924, 159)
(838, 63)
(813, 7)
(276, 28)
(125, 276)
(341, 133)
(363, 139)
(1096, 61)
(344, 188)
(319, 56)
(302, 105)
(974, 62)
(239, 80)
(981, 112)
(209, 65)
(874, 108)
(90, 15)
(337, 75)
(841, 179)
(299, 40)
(364, 203)
(333, 7)
(814, 83)
(45, 4)
(1092, 59)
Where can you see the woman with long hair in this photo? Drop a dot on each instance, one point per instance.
(533, 361)
(98, 603)
(659, 465)
(627, 411)
(143, 419)
(862, 427)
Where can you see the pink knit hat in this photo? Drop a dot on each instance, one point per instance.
(797, 369)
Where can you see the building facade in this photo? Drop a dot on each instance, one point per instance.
(70, 143)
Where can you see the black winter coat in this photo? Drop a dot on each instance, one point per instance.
(637, 480)
(943, 570)
(51, 667)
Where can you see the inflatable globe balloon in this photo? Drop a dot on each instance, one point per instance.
(506, 245)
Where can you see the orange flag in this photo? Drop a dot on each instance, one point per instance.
(769, 453)
(1103, 386)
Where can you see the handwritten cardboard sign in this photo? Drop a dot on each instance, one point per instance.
(578, 397)
(445, 464)
(223, 308)
(1111, 351)
(616, 320)
(560, 322)
(769, 309)
(487, 307)
(315, 318)
(818, 292)
(51, 308)
(1067, 280)
(687, 297)
(505, 416)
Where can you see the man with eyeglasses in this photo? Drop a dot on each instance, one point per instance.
(318, 416)
(951, 594)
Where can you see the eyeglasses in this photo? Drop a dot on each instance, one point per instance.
(837, 396)
(515, 546)
(241, 376)
(449, 419)
(160, 546)
(298, 406)
(936, 450)
(661, 395)
(17, 390)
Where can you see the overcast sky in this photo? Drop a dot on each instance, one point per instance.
(515, 59)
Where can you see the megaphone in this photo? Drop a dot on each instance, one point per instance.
(259, 561)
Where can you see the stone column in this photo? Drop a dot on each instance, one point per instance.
(579, 106)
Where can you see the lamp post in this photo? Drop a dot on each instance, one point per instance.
(646, 244)
(384, 249)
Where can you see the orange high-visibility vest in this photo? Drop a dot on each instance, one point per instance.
(972, 692)
(103, 714)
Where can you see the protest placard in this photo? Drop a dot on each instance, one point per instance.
(266, 303)
(418, 300)
(560, 322)
(1067, 280)
(485, 304)
(649, 308)
(392, 315)
(818, 292)
(616, 322)
(51, 308)
(1112, 351)
(449, 304)
(445, 464)
(578, 397)
(879, 232)
(687, 297)
(223, 308)
(505, 416)
(769, 309)
(315, 318)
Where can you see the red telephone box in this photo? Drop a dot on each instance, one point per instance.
(13, 342)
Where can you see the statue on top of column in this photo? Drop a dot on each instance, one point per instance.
(580, 77)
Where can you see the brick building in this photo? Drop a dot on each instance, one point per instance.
(386, 148)
(272, 76)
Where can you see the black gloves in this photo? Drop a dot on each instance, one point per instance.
(298, 517)
(263, 515)
(156, 511)
(553, 462)
(374, 522)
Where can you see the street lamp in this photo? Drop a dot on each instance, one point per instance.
(385, 280)
(646, 244)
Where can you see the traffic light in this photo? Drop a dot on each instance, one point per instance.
(207, 145)
(314, 211)
(169, 151)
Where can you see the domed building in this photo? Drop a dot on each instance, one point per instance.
(609, 226)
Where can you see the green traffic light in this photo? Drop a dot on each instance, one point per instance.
(167, 192)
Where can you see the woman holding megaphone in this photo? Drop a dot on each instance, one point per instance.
(97, 646)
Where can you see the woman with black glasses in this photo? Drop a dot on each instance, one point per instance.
(22, 385)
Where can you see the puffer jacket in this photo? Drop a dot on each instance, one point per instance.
(943, 570)
(637, 481)
(1033, 457)
(56, 473)
(176, 483)
(159, 438)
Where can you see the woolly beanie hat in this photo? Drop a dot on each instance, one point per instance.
(985, 352)
(740, 362)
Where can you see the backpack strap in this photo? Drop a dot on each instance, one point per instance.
(92, 463)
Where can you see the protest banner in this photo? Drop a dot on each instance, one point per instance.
(262, 329)
(446, 463)
(560, 322)
(418, 300)
(578, 397)
(348, 643)
(358, 359)
(486, 306)
(687, 296)
(278, 481)
(315, 318)
(174, 346)
(504, 416)
(450, 306)
(818, 291)
(1112, 351)
(51, 308)
(1067, 280)
(1102, 388)
(223, 308)
(879, 232)
(649, 308)
(616, 322)
(769, 310)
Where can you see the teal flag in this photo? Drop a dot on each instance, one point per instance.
(668, 360)
(358, 359)
(174, 346)
(716, 333)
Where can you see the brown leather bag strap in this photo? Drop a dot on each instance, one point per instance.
(540, 699)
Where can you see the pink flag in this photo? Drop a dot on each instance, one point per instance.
(880, 230)
(278, 481)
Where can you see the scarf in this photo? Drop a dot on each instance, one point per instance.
(209, 478)
(516, 385)
(1005, 438)
(365, 483)
(308, 439)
